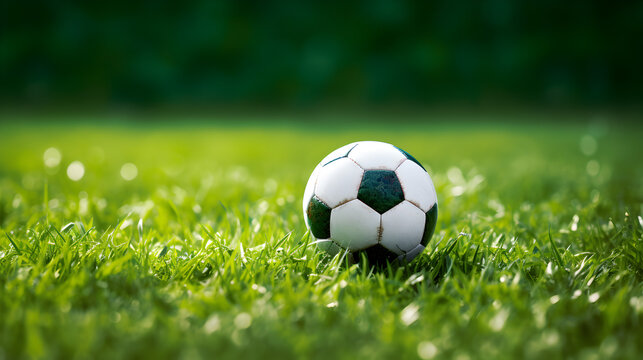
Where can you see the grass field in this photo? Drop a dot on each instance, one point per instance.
(203, 251)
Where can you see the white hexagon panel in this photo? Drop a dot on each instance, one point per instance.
(417, 185)
(375, 155)
(338, 182)
(354, 225)
(402, 228)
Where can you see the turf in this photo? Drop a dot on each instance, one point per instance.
(537, 251)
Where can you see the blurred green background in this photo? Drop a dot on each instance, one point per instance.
(293, 53)
(153, 156)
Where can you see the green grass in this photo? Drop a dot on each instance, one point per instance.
(537, 251)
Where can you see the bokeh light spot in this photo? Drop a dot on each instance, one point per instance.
(52, 157)
(76, 171)
(427, 350)
(213, 324)
(455, 175)
(129, 172)
(243, 321)
(593, 168)
(588, 145)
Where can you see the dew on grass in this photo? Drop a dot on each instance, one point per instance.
(588, 145)
(129, 171)
(52, 157)
(127, 223)
(554, 299)
(550, 268)
(574, 225)
(591, 280)
(410, 314)
(427, 350)
(576, 294)
(76, 171)
(594, 297)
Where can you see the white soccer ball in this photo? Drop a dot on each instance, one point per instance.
(374, 198)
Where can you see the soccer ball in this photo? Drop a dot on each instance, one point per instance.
(374, 198)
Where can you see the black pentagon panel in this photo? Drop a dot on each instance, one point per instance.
(376, 255)
(410, 157)
(381, 190)
(319, 218)
(429, 224)
(341, 156)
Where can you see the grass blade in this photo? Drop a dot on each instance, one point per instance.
(559, 259)
(13, 243)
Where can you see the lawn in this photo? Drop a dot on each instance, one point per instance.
(197, 247)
